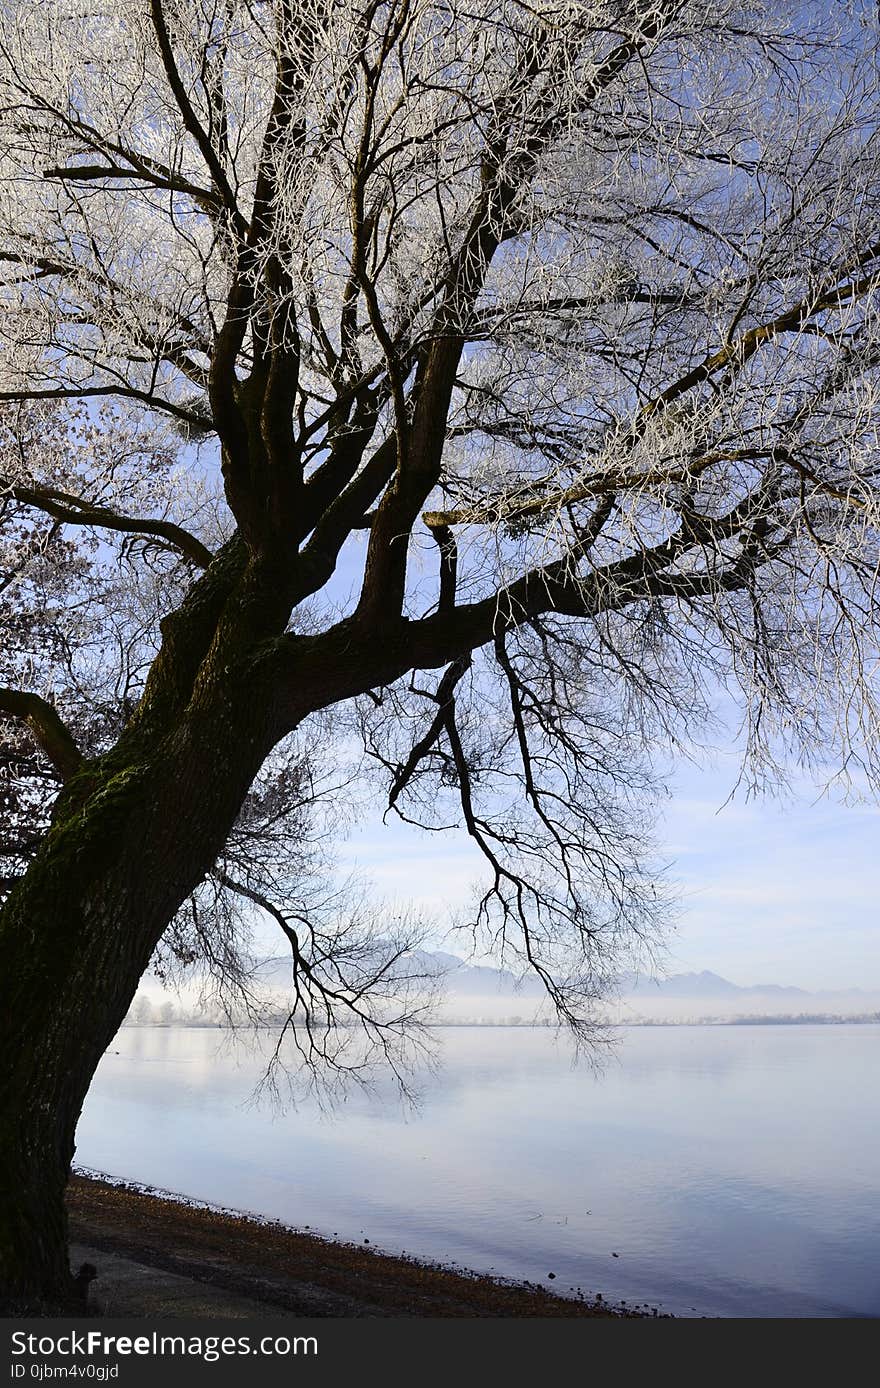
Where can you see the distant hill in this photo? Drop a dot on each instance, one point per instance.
(458, 977)
(463, 980)
(482, 993)
(701, 985)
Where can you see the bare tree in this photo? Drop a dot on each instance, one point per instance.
(557, 325)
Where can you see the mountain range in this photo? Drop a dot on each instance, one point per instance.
(463, 980)
(701, 985)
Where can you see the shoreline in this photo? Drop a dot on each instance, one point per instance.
(161, 1252)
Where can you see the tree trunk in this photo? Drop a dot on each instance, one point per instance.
(63, 998)
(133, 836)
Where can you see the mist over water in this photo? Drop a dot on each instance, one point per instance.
(732, 1170)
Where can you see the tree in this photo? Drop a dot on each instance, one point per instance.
(143, 1011)
(555, 325)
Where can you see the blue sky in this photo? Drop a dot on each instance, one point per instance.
(769, 892)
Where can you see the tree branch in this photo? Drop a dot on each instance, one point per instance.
(73, 510)
(835, 294)
(444, 697)
(191, 121)
(46, 726)
(198, 421)
(493, 220)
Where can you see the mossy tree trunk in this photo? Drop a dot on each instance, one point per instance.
(134, 832)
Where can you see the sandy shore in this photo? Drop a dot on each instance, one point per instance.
(159, 1256)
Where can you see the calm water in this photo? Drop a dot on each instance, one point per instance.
(732, 1170)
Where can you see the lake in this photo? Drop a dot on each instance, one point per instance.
(726, 1171)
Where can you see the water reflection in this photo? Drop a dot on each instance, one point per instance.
(731, 1170)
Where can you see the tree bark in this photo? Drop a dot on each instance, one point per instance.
(134, 833)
